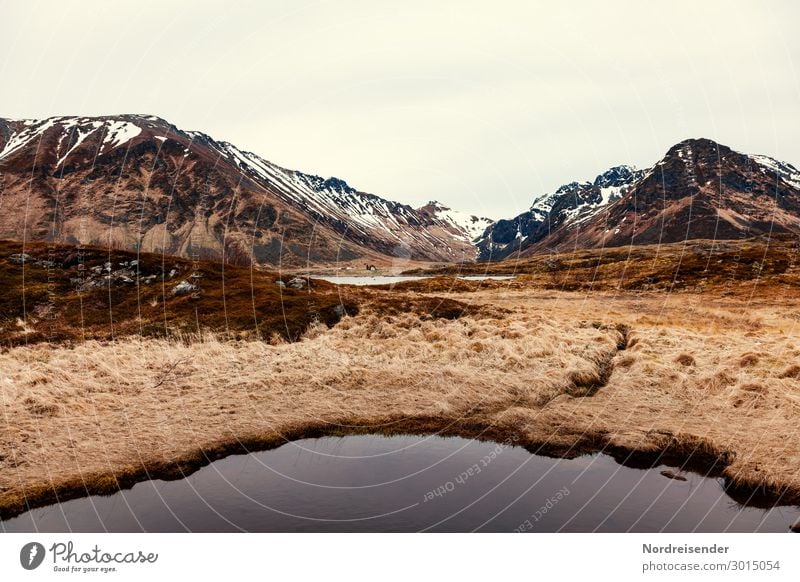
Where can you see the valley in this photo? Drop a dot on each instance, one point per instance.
(700, 375)
(169, 299)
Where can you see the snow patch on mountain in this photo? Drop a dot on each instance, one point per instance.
(787, 172)
(469, 226)
(325, 198)
(585, 199)
(117, 132)
(120, 132)
(83, 133)
(30, 132)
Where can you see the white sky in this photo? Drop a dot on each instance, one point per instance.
(481, 105)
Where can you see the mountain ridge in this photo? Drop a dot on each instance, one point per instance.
(699, 189)
(185, 193)
(138, 182)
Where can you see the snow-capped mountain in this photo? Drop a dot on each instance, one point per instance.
(570, 205)
(700, 189)
(467, 226)
(137, 181)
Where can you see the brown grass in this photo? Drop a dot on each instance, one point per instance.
(44, 304)
(694, 266)
(564, 373)
(102, 415)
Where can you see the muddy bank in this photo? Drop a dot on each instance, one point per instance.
(678, 451)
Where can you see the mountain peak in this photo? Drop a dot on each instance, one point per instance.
(435, 205)
(616, 176)
(697, 147)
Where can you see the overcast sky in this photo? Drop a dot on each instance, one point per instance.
(481, 105)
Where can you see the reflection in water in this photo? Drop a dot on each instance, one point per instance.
(411, 483)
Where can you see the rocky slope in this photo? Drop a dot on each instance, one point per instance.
(136, 182)
(699, 190)
(569, 206)
(470, 226)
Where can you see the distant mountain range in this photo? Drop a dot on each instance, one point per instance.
(137, 182)
(699, 190)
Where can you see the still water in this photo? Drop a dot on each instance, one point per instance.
(410, 483)
(389, 279)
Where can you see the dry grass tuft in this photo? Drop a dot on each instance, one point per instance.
(625, 361)
(685, 359)
(755, 387)
(38, 408)
(748, 360)
(792, 371)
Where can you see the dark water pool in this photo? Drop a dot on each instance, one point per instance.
(411, 483)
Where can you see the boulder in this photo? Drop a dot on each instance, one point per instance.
(20, 258)
(184, 287)
(297, 283)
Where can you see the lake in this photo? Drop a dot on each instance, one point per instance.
(390, 279)
(411, 483)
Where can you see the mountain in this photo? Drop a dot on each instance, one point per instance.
(699, 190)
(569, 206)
(137, 182)
(469, 226)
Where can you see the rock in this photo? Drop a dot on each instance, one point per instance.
(339, 310)
(296, 283)
(671, 475)
(172, 273)
(184, 287)
(20, 258)
(280, 284)
(107, 267)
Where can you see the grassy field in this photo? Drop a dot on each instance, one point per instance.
(695, 265)
(703, 378)
(62, 294)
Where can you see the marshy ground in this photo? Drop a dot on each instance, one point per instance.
(704, 374)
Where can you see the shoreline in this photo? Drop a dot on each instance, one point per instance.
(741, 490)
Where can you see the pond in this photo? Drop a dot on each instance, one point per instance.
(390, 279)
(411, 483)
